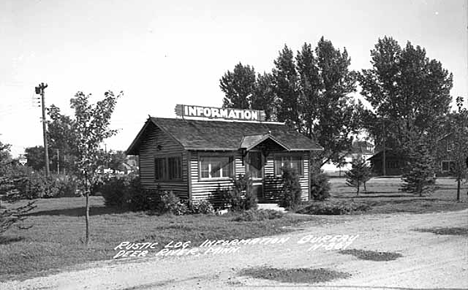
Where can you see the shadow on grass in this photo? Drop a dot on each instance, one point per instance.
(5, 240)
(78, 211)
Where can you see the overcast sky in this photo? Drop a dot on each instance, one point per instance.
(163, 53)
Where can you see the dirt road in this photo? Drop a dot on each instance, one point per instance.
(428, 260)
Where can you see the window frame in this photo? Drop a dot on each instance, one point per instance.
(232, 162)
(449, 162)
(277, 169)
(166, 175)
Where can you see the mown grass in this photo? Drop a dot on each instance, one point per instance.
(56, 237)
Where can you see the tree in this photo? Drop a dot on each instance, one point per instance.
(89, 129)
(457, 126)
(419, 175)
(286, 88)
(408, 92)
(359, 174)
(238, 87)
(263, 97)
(10, 215)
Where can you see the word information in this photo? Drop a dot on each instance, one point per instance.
(219, 113)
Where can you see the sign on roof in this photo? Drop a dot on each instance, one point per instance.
(219, 113)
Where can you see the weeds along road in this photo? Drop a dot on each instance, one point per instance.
(428, 260)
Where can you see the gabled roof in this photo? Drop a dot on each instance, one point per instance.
(223, 135)
(250, 142)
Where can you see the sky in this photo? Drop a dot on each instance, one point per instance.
(163, 53)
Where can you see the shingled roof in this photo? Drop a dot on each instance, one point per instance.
(221, 135)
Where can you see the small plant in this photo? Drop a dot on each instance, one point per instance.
(290, 195)
(359, 174)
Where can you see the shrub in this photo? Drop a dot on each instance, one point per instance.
(240, 197)
(258, 215)
(201, 207)
(328, 208)
(359, 174)
(291, 193)
(319, 185)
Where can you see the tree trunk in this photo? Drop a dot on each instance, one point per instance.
(458, 189)
(87, 210)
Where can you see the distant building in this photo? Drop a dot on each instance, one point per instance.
(359, 149)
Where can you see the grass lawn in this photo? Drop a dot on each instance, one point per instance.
(55, 240)
(384, 196)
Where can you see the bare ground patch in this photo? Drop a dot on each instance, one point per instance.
(372, 255)
(299, 275)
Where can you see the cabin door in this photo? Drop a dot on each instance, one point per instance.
(255, 168)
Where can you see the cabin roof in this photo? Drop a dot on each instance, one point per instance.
(194, 134)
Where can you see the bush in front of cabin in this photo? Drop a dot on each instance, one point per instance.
(290, 195)
(334, 208)
(239, 197)
(200, 207)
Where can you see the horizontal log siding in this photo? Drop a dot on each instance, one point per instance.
(272, 183)
(169, 147)
(205, 189)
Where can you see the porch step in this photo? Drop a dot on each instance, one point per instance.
(272, 206)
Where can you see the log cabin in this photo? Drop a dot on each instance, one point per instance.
(195, 157)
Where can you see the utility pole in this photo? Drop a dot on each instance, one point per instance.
(40, 91)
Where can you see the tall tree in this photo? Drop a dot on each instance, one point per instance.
(263, 97)
(89, 127)
(238, 87)
(408, 93)
(336, 117)
(286, 87)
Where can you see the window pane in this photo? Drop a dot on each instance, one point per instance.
(175, 168)
(159, 168)
(215, 167)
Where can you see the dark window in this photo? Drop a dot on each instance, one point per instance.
(168, 168)
(175, 168)
(255, 164)
(448, 165)
(216, 167)
(159, 168)
(294, 162)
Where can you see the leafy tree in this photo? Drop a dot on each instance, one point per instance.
(408, 93)
(10, 215)
(328, 113)
(263, 97)
(90, 127)
(238, 87)
(419, 176)
(359, 174)
(35, 156)
(457, 126)
(286, 88)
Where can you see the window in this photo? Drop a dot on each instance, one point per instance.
(255, 164)
(216, 167)
(448, 165)
(168, 168)
(175, 168)
(294, 162)
(159, 168)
